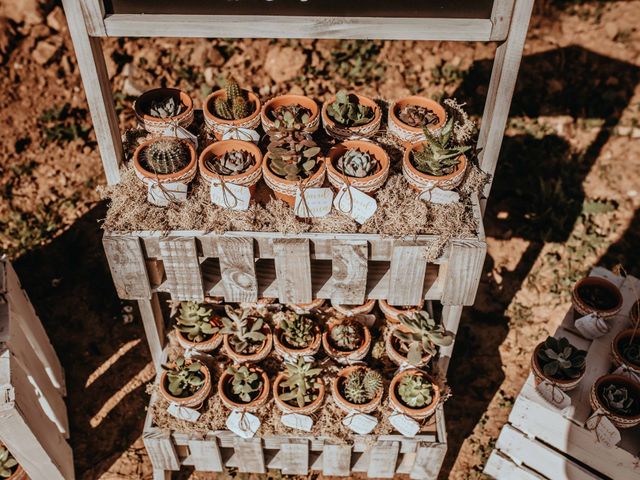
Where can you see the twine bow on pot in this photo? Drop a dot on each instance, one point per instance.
(227, 191)
(302, 187)
(599, 414)
(347, 183)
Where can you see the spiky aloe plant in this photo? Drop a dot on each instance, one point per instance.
(415, 391)
(165, 107)
(235, 105)
(346, 336)
(362, 385)
(347, 111)
(244, 331)
(300, 382)
(166, 155)
(298, 330)
(358, 164)
(293, 153)
(185, 378)
(8, 464)
(618, 399)
(246, 383)
(439, 156)
(421, 335)
(561, 360)
(194, 320)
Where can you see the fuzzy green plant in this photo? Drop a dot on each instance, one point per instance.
(439, 155)
(300, 383)
(166, 155)
(165, 107)
(347, 111)
(561, 360)
(244, 331)
(346, 336)
(618, 399)
(185, 378)
(234, 105)
(293, 154)
(362, 385)
(246, 383)
(194, 320)
(415, 391)
(290, 117)
(421, 335)
(298, 330)
(8, 464)
(234, 162)
(358, 164)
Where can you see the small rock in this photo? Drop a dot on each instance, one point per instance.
(44, 52)
(284, 64)
(296, 90)
(131, 88)
(215, 57)
(611, 30)
(635, 133)
(27, 11)
(210, 76)
(56, 20)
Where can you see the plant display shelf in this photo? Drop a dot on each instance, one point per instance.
(541, 441)
(33, 415)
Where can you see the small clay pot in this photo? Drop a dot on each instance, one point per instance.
(155, 125)
(206, 346)
(286, 100)
(634, 313)
(341, 400)
(351, 310)
(195, 400)
(18, 474)
(219, 126)
(346, 357)
(257, 356)
(248, 178)
(421, 181)
(595, 398)
(302, 308)
(399, 405)
(392, 313)
(286, 189)
(283, 349)
(227, 397)
(616, 350)
(341, 132)
(369, 184)
(539, 376)
(607, 290)
(186, 175)
(393, 352)
(287, 407)
(406, 133)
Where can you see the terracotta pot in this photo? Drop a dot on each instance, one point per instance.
(301, 308)
(284, 350)
(218, 126)
(620, 421)
(195, 400)
(286, 100)
(157, 125)
(344, 133)
(392, 313)
(398, 404)
(369, 184)
(257, 356)
(18, 474)
(618, 358)
(583, 308)
(397, 357)
(406, 133)
(248, 178)
(351, 310)
(539, 376)
(186, 175)
(288, 408)
(344, 357)
(346, 405)
(421, 181)
(634, 313)
(286, 189)
(227, 397)
(206, 346)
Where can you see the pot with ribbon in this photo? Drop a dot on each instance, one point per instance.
(358, 163)
(160, 108)
(413, 392)
(559, 363)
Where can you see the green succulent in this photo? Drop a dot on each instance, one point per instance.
(234, 162)
(355, 163)
(347, 111)
(8, 464)
(619, 400)
(346, 336)
(194, 320)
(417, 116)
(362, 385)
(246, 383)
(415, 391)
(439, 156)
(293, 153)
(300, 382)
(421, 335)
(561, 360)
(165, 107)
(631, 350)
(244, 331)
(290, 117)
(185, 377)
(298, 330)
(235, 105)
(165, 155)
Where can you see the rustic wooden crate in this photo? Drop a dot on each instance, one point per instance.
(33, 416)
(541, 441)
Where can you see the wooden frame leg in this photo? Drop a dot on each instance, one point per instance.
(450, 319)
(153, 323)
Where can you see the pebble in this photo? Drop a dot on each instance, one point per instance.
(44, 52)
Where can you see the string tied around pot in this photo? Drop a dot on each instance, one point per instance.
(226, 191)
(599, 414)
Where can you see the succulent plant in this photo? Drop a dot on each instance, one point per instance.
(415, 391)
(619, 400)
(290, 117)
(235, 105)
(234, 162)
(631, 350)
(166, 155)
(347, 111)
(244, 331)
(245, 382)
(417, 116)
(194, 321)
(346, 336)
(298, 330)
(439, 156)
(165, 107)
(355, 163)
(185, 378)
(561, 360)
(293, 153)
(362, 385)
(421, 335)
(8, 464)
(300, 382)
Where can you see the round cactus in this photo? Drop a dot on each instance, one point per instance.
(166, 155)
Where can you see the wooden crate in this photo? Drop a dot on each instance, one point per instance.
(541, 441)
(33, 416)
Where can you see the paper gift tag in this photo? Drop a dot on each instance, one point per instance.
(297, 421)
(181, 132)
(162, 196)
(360, 423)
(243, 424)
(437, 195)
(358, 205)
(231, 196)
(238, 133)
(317, 203)
(553, 395)
(183, 413)
(622, 370)
(406, 425)
(591, 326)
(603, 429)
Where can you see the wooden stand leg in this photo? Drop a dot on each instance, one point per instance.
(450, 319)
(153, 323)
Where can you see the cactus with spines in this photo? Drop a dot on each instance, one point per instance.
(362, 385)
(166, 155)
(416, 391)
(234, 106)
(298, 330)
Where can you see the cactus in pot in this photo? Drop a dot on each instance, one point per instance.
(300, 384)
(184, 378)
(417, 116)
(245, 383)
(8, 464)
(416, 391)
(194, 321)
(420, 335)
(298, 330)
(439, 156)
(243, 330)
(362, 385)
(355, 163)
(235, 105)
(166, 107)
(347, 111)
(166, 155)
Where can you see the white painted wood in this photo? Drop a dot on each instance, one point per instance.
(349, 272)
(451, 320)
(428, 462)
(463, 272)
(249, 454)
(128, 267)
(154, 328)
(182, 268)
(161, 450)
(93, 11)
(237, 267)
(336, 460)
(501, 19)
(382, 459)
(205, 454)
(407, 272)
(501, 467)
(294, 456)
(293, 270)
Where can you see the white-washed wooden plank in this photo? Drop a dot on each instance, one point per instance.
(293, 270)
(127, 264)
(93, 11)
(451, 320)
(249, 455)
(463, 272)
(501, 18)
(205, 454)
(382, 459)
(182, 267)
(406, 275)
(294, 456)
(237, 267)
(349, 272)
(502, 468)
(161, 450)
(336, 460)
(154, 328)
(428, 462)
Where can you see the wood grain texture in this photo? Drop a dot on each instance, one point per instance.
(428, 462)
(93, 11)
(501, 467)
(336, 460)
(237, 267)
(451, 320)
(249, 455)
(463, 272)
(294, 457)
(501, 19)
(161, 450)
(154, 327)
(349, 272)
(407, 272)
(382, 459)
(128, 267)
(293, 270)
(205, 454)
(182, 268)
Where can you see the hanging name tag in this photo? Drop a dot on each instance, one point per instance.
(439, 196)
(553, 395)
(317, 203)
(244, 425)
(627, 372)
(358, 205)
(237, 133)
(406, 425)
(230, 195)
(591, 326)
(181, 132)
(297, 421)
(161, 196)
(360, 423)
(183, 413)
(604, 430)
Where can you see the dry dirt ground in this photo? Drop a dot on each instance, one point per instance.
(566, 195)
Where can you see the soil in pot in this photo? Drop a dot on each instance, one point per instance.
(293, 112)
(418, 116)
(597, 297)
(296, 334)
(158, 108)
(626, 349)
(414, 393)
(236, 161)
(247, 338)
(185, 382)
(349, 114)
(346, 341)
(619, 397)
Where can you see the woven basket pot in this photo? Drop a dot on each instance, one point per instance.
(361, 131)
(284, 350)
(346, 405)
(421, 181)
(248, 178)
(406, 133)
(392, 313)
(398, 404)
(155, 125)
(351, 310)
(225, 392)
(255, 357)
(288, 408)
(395, 355)
(195, 400)
(286, 100)
(219, 126)
(368, 184)
(346, 358)
(186, 175)
(286, 189)
(618, 358)
(539, 376)
(582, 306)
(596, 401)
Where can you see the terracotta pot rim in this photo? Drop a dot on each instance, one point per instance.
(395, 398)
(425, 359)
(617, 379)
(163, 176)
(184, 97)
(256, 402)
(537, 368)
(610, 286)
(462, 165)
(342, 147)
(377, 113)
(209, 112)
(286, 100)
(191, 398)
(266, 345)
(230, 146)
(361, 309)
(193, 344)
(420, 101)
(266, 171)
(623, 334)
(318, 302)
(313, 406)
(335, 390)
(333, 351)
(311, 349)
